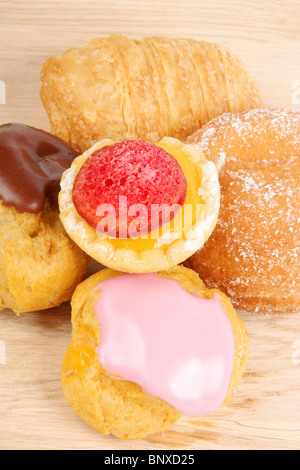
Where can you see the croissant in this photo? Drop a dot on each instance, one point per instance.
(121, 88)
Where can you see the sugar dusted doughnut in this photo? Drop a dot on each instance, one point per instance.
(253, 253)
(147, 348)
(171, 203)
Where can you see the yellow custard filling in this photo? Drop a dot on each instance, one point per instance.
(185, 218)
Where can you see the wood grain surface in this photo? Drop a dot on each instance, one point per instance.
(264, 413)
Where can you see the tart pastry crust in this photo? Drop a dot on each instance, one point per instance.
(171, 248)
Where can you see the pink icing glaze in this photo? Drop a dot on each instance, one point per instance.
(177, 346)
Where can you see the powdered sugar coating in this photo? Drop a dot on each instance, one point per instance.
(253, 253)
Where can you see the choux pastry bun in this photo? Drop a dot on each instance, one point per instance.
(253, 253)
(120, 88)
(147, 348)
(40, 266)
(136, 206)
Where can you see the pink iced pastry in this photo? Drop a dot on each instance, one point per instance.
(177, 346)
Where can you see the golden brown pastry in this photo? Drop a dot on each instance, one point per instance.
(153, 177)
(186, 345)
(120, 88)
(40, 266)
(253, 253)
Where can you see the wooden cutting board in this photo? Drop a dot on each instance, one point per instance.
(264, 412)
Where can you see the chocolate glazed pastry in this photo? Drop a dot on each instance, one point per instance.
(32, 162)
(39, 265)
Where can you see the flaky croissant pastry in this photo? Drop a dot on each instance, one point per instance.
(120, 88)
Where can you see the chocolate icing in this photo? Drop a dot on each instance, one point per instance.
(32, 162)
